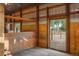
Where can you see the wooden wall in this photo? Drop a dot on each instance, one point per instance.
(1, 29)
(1, 49)
(43, 34)
(74, 34)
(19, 41)
(54, 11)
(43, 27)
(30, 26)
(74, 29)
(43, 30)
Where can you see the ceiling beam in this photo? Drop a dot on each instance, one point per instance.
(18, 18)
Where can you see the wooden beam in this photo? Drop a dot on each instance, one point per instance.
(52, 16)
(55, 6)
(29, 12)
(57, 15)
(75, 12)
(18, 18)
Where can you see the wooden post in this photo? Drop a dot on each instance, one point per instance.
(2, 20)
(48, 35)
(21, 20)
(68, 28)
(37, 25)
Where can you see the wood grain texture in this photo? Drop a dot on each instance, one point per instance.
(1, 49)
(20, 41)
(77, 38)
(1, 29)
(43, 36)
(74, 38)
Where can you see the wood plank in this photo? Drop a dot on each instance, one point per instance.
(43, 35)
(77, 38)
(17, 42)
(72, 38)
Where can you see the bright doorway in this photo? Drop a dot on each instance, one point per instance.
(58, 34)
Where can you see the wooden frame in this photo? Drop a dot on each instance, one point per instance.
(64, 17)
(48, 23)
(19, 18)
(67, 17)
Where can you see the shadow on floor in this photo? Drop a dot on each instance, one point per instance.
(40, 52)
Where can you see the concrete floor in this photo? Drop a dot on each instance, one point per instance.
(40, 52)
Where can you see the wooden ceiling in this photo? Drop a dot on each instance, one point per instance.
(14, 7)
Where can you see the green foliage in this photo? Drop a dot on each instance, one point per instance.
(57, 23)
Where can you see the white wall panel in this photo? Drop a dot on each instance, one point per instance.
(74, 7)
(57, 10)
(32, 15)
(42, 13)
